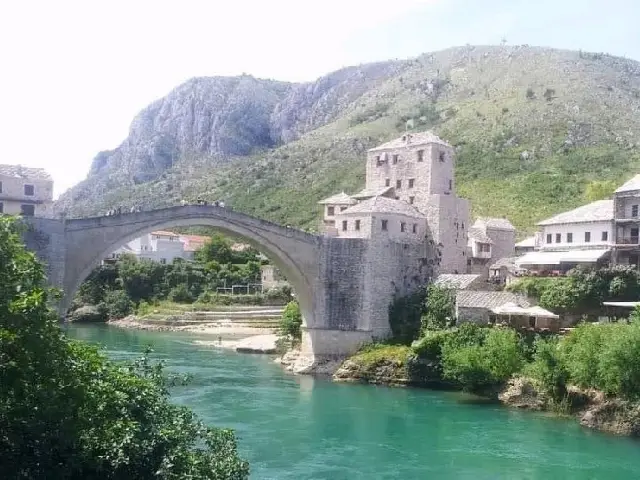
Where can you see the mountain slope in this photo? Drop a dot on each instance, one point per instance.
(532, 127)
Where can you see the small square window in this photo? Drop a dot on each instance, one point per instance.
(420, 155)
(634, 210)
(411, 182)
(587, 237)
(378, 160)
(558, 238)
(549, 238)
(441, 156)
(387, 182)
(395, 159)
(411, 199)
(357, 224)
(344, 225)
(27, 210)
(29, 190)
(415, 228)
(402, 226)
(569, 237)
(385, 224)
(398, 184)
(331, 211)
(605, 236)
(342, 209)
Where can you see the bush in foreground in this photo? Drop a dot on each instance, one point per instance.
(68, 412)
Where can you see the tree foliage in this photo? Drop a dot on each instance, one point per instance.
(405, 315)
(291, 322)
(66, 412)
(478, 358)
(439, 308)
(599, 190)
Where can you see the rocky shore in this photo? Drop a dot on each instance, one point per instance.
(591, 408)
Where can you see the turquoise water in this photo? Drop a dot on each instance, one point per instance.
(291, 427)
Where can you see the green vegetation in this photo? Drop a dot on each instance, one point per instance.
(533, 129)
(291, 323)
(68, 412)
(117, 288)
(582, 290)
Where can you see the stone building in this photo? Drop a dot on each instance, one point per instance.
(25, 191)
(272, 278)
(490, 239)
(409, 196)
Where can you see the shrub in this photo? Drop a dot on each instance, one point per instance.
(548, 368)
(117, 304)
(478, 360)
(439, 306)
(430, 345)
(143, 309)
(88, 314)
(181, 294)
(291, 322)
(279, 294)
(207, 297)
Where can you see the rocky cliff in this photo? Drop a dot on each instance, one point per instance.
(532, 128)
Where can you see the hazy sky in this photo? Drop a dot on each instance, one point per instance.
(74, 73)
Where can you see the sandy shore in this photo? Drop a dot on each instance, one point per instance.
(245, 338)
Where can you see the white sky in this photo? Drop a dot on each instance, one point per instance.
(75, 73)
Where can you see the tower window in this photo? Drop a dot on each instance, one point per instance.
(385, 224)
(605, 236)
(342, 209)
(402, 226)
(387, 182)
(29, 190)
(411, 199)
(420, 155)
(411, 182)
(395, 159)
(331, 211)
(558, 238)
(415, 228)
(344, 225)
(398, 184)
(587, 237)
(357, 224)
(569, 237)
(450, 184)
(441, 156)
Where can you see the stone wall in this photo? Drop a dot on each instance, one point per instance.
(472, 315)
(504, 243)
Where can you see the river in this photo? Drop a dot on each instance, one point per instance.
(298, 427)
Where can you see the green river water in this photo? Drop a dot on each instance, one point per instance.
(298, 427)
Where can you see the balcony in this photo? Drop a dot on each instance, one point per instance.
(628, 240)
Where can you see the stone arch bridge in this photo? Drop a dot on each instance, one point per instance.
(344, 286)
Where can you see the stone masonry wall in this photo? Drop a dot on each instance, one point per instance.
(504, 243)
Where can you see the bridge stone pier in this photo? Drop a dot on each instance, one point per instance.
(344, 286)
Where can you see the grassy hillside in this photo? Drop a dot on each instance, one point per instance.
(532, 128)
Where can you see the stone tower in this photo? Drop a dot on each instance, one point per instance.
(420, 168)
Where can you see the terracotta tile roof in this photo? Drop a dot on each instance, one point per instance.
(165, 233)
(25, 172)
(630, 185)
(411, 139)
(193, 242)
(488, 300)
(599, 211)
(383, 205)
(455, 281)
(338, 199)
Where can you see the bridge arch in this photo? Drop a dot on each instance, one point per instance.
(91, 240)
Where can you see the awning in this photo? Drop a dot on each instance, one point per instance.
(622, 304)
(541, 312)
(509, 308)
(556, 258)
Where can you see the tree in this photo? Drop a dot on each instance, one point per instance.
(218, 248)
(291, 322)
(599, 190)
(405, 314)
(439, 306)
(68, 412)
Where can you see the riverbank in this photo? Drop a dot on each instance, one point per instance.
(398, 366)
